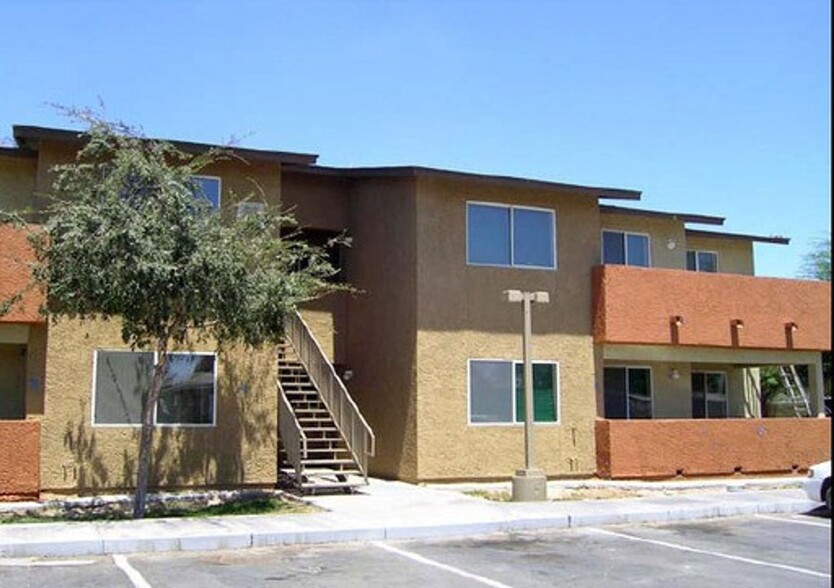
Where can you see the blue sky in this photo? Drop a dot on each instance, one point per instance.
(716, 107)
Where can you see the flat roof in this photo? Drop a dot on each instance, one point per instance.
(778, 240)
(511, 181)
(28, 137)
(687, 217)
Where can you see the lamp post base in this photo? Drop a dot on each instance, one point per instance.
(529, 486)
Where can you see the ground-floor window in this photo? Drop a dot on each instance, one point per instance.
(628, 392)
(496, 392)
(120, 378)
(709, 395)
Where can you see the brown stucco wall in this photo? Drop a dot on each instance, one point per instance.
(79, 457)
(660, 230)
(19, 454)
(735, 256)
(462, 315)
(381, 319)
(635, 305)
(319, 202)
(663, 448)
(15, 276)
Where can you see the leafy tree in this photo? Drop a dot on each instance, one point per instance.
(127, 239)
(816, 264)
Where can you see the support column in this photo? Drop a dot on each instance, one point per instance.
(816, 385)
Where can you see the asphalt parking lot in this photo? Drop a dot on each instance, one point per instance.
(760, 551)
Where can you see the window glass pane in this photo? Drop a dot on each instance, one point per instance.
(716, 395)
(638, 250)
(187, 395)
(691, 263)
(490, 391)
(698, 396)
(707, 261)
(613, 248)
(489, 234)
(208, 188)
(533, 238)
(639, 393)
(544, 393)
(122, 377)
(614, 380)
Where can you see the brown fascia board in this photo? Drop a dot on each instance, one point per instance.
(28, 137)
(738, 236)
(701, 219)
(509, 181)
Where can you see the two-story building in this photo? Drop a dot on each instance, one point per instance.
(647, 357)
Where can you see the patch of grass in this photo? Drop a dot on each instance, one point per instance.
(171, 509)
(494, 495)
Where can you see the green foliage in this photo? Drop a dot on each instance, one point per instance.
(126, 237)
(816, 264)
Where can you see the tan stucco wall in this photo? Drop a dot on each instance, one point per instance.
(78, 457)
(734, 255)
(17, 182)
(660, 231)
(462, 315)
(381, 319)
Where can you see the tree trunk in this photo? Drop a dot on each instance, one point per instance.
(145, 443)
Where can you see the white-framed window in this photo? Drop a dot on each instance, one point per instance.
(709, 395)
(510, 236)
(496, 392)
(702, 261)
(628, 392)
(209, 188)
(120, 379)
(625, 248)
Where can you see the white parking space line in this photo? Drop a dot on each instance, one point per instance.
(34, 563)
(679, 547)
(132, 573)
(441, 566)
(796, 521)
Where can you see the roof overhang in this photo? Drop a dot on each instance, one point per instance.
(686, 217)
(508, 181)
(738, 236)
(29, 138)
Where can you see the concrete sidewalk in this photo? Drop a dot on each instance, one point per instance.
(396, 510)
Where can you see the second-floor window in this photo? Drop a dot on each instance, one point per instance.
(208, 187)
(510, 236)
(623, 248)
(702, 261)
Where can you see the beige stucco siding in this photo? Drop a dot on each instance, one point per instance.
(735, 256)
(462, 315)
(17, 182)
(381, 323)
(662, 233)
(78, 456)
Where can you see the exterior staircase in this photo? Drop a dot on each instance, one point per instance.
(325, 440)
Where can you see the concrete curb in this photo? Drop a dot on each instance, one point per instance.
(222, 533)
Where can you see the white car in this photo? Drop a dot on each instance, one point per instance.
(818, 484)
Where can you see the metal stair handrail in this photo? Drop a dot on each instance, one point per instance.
(356, 431)
(293, 438)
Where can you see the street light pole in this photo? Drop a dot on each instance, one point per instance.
(530, 483)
